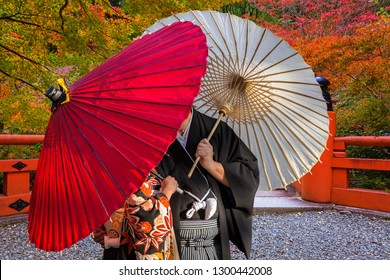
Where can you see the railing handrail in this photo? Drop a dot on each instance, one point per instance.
(364, 140)
(20, 139)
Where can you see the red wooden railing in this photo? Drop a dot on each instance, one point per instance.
(16, 194)
(327, 182)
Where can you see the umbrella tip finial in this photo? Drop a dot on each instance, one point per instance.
(58, 96)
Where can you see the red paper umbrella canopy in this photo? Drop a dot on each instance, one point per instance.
(120, 120)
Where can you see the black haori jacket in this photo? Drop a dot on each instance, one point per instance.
(235, 203)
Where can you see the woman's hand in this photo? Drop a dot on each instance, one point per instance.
(98, 235)
(169, 186)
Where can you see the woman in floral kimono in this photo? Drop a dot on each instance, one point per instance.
(143, 227)
(147, 226)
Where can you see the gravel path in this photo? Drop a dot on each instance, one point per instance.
(315, 235)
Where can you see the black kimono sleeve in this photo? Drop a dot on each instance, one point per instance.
(241, 169)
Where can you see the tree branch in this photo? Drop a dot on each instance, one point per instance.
(20, 80)
(60, 12)
(23, 57)
(376, 94)
(91, 20)
(11, 18)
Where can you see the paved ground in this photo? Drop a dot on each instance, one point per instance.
(276, 201)
(285, 227)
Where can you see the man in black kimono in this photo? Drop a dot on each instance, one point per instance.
(224, 183)
(228, 168)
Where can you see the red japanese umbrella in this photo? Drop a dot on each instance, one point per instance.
(112, 127)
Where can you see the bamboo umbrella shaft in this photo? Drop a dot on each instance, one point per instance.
(221, 115)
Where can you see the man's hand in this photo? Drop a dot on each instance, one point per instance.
(206, 153)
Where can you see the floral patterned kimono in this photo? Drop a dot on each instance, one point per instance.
(147, 232)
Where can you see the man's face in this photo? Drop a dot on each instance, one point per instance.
(185, 123)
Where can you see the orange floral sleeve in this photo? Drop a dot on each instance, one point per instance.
(148, 222)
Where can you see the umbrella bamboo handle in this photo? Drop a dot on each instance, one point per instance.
(193, 167)
(221, 115)
(179, 190)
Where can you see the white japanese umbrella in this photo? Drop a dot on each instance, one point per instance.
(266, 92)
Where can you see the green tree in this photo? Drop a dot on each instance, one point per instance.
(41, 36)
(144, 13)
(44, 40)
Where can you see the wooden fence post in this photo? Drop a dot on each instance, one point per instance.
(316, 185)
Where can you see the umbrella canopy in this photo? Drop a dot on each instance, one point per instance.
(266, 90)
(117, 125)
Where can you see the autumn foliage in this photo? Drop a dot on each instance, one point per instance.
(346, 41)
